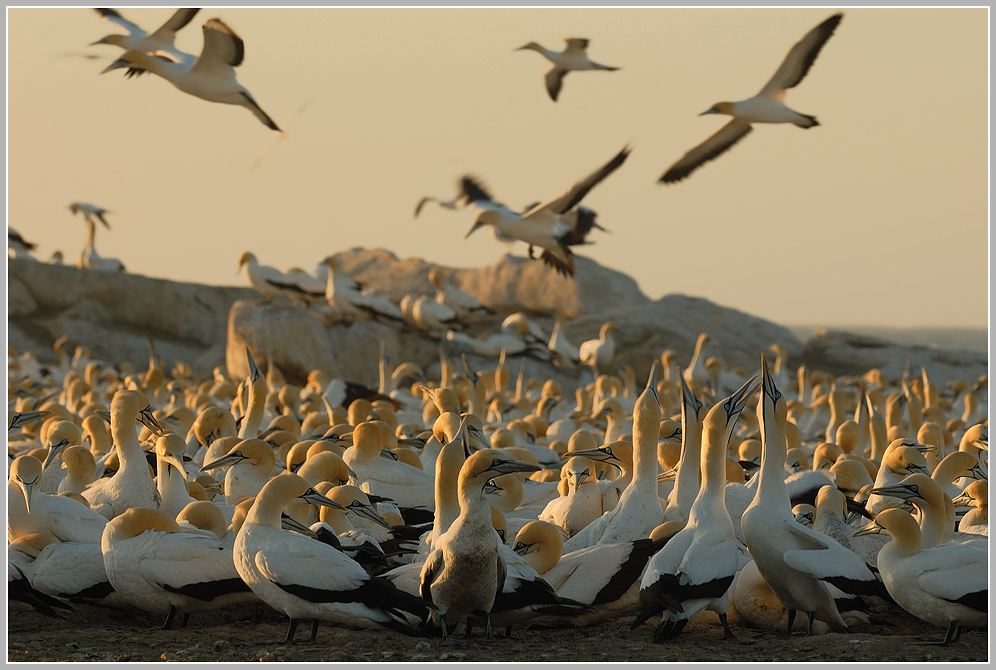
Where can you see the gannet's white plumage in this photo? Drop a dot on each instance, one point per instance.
(171, 477)
(694, 570)
(936, 509)
(583, 502)
(465, 572)
(252, 464)
(795, 561)
(599, 353)
(687, 481)
(767, 106)
(573, 57)
(89, 258)
(639, 509)
(132, 485)
(157, 567)
(347, 296)
(306, 579)
(543, 225)
(946, 586)
(407, 485)
(272, 282)
(31, 511)
(211, 77)
(68, 570)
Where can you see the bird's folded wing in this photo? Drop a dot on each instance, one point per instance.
(309, 565)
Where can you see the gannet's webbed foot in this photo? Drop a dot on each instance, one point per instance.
(727, 633)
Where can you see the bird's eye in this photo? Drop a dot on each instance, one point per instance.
(586, 472)
(914, 488)
(608, 450)
(518, 545)
(496, 462)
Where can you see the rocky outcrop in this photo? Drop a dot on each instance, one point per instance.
(114, 315)
(843, 353)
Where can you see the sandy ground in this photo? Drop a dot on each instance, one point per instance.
(97, 635)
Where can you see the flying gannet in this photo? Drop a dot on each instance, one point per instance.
(768, 106)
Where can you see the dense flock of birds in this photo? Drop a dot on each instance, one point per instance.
(434, 506)
(431, 506)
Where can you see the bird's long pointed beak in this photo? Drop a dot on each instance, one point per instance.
(149, 421)
(897, 491)
(368, 512)
(507, 467)
(768, 382)
(315, 498)
(736, 402)
(228, 459)
(472, 229)
(292, 524)
(254, 372)
(53, 451)
(26, 489)
(871, 529)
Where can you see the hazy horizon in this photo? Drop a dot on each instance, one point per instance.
(877, 216)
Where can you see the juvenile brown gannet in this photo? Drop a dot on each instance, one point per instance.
(767, 106)
(945, 586)
(573, 57)
(465, 573)
(544, 225)
(211, 77)
(696, 567)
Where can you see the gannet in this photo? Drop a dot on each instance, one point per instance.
(464, 574)
(937, 515)
(306, 579)
(829, 519)
(22, 597)
(767, 106)
(31, 511)
(457, 299)
(945, 586)
(599, 353)
(17, 246)
(975, 495)
(902, 457)
(68, 570)
(696, 374)
(89, 258)
(565, 353)
(583, 502)
(157, 567)
(90, 212)
(694, 570)
(347, 296)
(573, 57)
(544, 225)
(408, 486)
(132, 485)
(604, 576)
(272, 282)
(639, 509)
(252, 464)
(211, 77)
(60, 436)
(687, 480)
(794, 560)
(81, 470)
(159, 41)
(171, 477)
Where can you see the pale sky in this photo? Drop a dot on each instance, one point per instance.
(877, 217)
